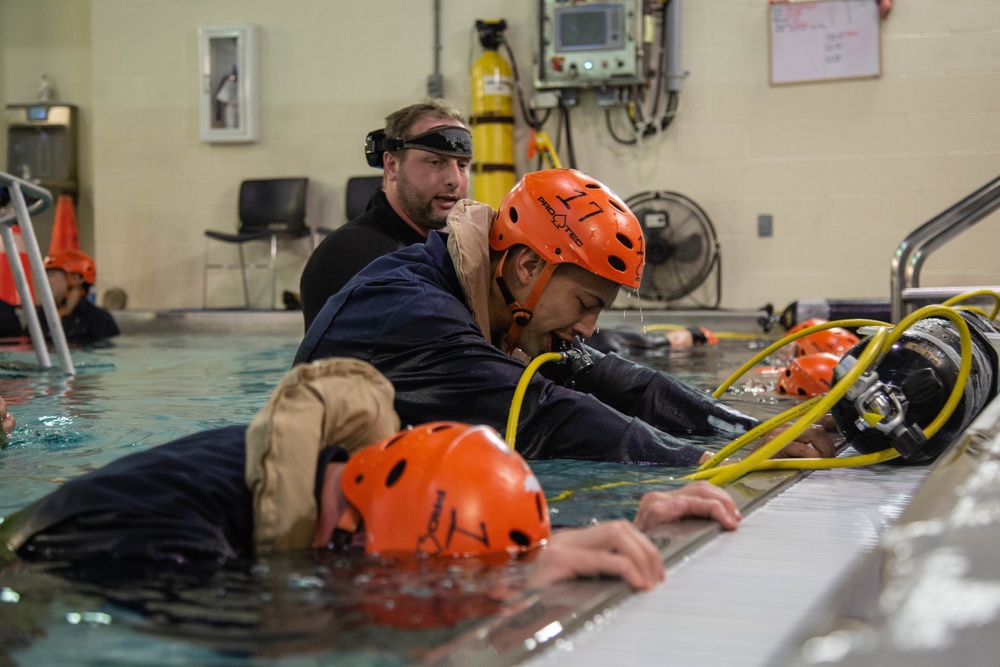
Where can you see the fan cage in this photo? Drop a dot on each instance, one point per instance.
(664, 279)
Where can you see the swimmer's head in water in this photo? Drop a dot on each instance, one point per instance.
(445, 488)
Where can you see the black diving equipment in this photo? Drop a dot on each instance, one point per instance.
(827, 309)
(573, 361)
(890, 404)
(450, 140)
(574, 355)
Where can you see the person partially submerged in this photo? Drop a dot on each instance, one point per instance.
(325, 464)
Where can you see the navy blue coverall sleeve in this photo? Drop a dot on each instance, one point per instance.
(443, 368)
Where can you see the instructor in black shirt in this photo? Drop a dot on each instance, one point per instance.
(426, 151)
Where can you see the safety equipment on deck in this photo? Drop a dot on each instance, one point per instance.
(73, 261)
(566, 217)
(450, 140)
(64, 232)
(859, 394)
(808, 375)
(827, 309)
(445, 488)
(835, 340)
(493, 172)
(910, 391)
(891, 403)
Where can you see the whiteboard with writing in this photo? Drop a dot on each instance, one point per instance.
(825, 39)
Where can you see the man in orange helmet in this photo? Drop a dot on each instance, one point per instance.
(71, 274)
(452, 322)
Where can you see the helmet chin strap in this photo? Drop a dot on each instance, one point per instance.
(522, 314)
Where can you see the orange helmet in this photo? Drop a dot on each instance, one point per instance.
(568, 217)
(835, 340)
(446, 488)
(73, 261)
(808, 375)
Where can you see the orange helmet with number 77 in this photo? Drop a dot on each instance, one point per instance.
(445, 488)
(568, 217)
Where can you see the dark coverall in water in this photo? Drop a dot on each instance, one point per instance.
(10, 323)
(406, 313)
(185, 501)
(86, 324)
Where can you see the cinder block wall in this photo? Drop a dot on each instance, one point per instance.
(845, 168)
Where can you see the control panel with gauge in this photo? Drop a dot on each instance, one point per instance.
(584, 43)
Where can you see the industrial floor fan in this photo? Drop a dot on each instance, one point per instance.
(682, 250)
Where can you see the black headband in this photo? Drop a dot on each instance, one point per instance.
(451, 140)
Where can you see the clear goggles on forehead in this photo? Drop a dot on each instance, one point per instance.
(448, 140)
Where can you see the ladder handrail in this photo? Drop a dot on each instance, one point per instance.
(22, 215)
(35, 190)
(918, 245)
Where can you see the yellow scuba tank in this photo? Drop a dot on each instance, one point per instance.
(493, 173)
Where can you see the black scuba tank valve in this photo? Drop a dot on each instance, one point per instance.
(891, 404)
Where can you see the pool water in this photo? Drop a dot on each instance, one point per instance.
(141, 392)
(289, 609)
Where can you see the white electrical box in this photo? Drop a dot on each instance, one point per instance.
(587, 43)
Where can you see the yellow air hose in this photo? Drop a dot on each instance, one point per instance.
(774, 347)
(522, 387)
(809, 412)
(815, 411)
(971, 295)
(880, 343)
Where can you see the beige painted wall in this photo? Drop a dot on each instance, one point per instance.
(51, 37)
(847, 168)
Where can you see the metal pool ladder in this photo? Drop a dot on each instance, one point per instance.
(915, 248)
(22, 217)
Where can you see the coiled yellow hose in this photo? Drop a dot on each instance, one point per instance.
(808, 412)
(879, 344)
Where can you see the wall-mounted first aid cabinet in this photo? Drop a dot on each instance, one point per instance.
(42, 144)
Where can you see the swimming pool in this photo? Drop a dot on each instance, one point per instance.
(285, 610)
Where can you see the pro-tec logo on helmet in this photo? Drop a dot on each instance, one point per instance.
(559, 220)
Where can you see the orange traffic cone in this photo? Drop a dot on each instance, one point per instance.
(64, 236)
(8, 288)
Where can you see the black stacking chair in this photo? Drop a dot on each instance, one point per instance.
(269, 209)
(359, 191)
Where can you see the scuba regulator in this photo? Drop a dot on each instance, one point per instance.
(891, 403)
